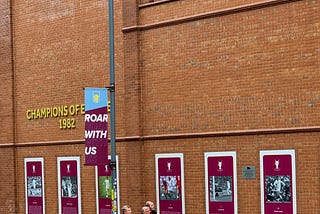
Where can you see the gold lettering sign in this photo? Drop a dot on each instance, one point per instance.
(58, 111)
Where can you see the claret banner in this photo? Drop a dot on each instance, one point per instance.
(221, 182)
(96, 126)
(104, 191)
(69, 186)
(278, 181)
(170, 183)
(34, 185)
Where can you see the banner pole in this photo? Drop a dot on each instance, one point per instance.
(112, 108)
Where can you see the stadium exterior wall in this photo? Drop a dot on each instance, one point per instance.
(191, 77)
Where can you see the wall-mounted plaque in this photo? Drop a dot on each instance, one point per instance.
(248, 172)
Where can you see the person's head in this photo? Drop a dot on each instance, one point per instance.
(150, 204)
(145, 210)
(126, 209)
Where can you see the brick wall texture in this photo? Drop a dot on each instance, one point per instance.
(7, 162)
(192, 76)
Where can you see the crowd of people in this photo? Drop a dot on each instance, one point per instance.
(148, 208)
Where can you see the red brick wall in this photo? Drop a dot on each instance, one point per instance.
(8, 184)
(7, 161)
(6, 74)
(161, 10)
(250, 70)
(247, 149)
(60, 48)
(226, 68)
(230, 70)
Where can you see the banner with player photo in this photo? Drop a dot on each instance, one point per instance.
(170, 183)
(34, 185)
(278, 181)
(221, 182)
(96, 126)
(69, 193)
(104, 188)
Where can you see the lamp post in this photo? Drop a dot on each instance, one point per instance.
(112, 108)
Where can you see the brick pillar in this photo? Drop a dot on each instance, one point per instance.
(7, 154)
(132, 185)
(132, 76)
